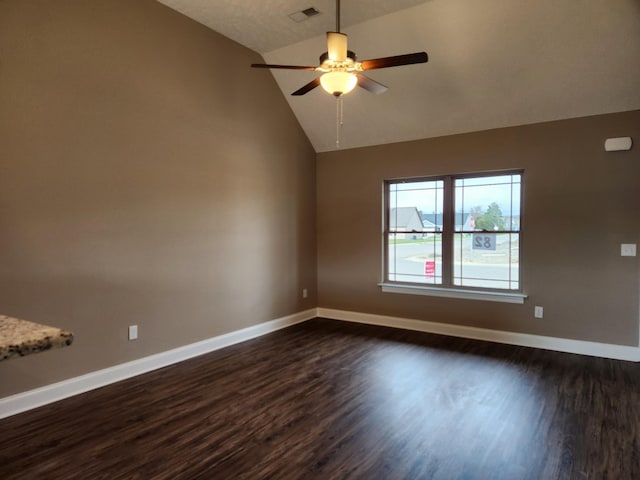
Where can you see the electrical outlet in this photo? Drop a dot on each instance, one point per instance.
(133, 332)
(305, 294)
(538, 312)
(628, 250)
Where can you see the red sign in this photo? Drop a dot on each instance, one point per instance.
(430, 268)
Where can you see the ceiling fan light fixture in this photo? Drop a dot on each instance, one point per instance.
(338, 83)
(339, 68)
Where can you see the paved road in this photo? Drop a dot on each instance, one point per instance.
(409, 261)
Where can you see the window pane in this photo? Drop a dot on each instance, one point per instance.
(415, 226)
(487, 180)
(416, 206)
(486, 260)
(487, 203)
(417, 185)
(415, 258)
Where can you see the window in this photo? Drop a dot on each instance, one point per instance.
(455, 232)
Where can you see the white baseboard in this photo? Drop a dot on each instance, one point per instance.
(594, 349)
(38, 397)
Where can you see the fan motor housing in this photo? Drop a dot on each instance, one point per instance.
(325, 56)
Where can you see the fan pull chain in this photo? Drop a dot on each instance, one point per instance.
(339, 119)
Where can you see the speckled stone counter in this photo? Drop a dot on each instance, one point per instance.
(20, 337)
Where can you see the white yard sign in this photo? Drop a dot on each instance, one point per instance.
(483, 241)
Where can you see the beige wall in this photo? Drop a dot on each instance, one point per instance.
(580, 204)
(147, 176)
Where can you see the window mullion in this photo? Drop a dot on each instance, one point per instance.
(448, 224)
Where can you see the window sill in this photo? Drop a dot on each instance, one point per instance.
(453, 293)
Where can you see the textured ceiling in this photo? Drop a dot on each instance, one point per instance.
(264, 25)
(493, 63)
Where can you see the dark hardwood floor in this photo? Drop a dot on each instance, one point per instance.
(332, 400)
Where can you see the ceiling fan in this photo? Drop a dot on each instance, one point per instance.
(341, 72)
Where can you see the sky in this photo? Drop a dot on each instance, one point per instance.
(469, 193)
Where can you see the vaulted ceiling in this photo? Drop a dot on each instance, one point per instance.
(492, 63)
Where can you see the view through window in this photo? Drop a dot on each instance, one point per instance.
(454, 231)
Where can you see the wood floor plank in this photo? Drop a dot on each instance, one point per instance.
(332, 400)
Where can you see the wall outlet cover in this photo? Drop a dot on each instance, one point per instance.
(628, 250)
(133, 332)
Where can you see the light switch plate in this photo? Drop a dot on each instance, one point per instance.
(133, 332)
(628, 250)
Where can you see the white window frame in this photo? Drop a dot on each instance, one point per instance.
(447, 288)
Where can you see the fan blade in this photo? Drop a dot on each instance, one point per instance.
(308, 87)
(398, 60)
(289, 67)
(371, 85)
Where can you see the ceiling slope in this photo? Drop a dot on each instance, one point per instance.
(492, 63)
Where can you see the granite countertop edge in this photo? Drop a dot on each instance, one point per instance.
(19, 338)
